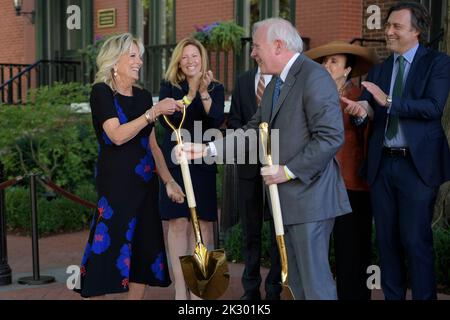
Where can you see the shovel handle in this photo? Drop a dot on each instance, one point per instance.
(273, 189)
(276, 210)
(188, 188)
(187, 181)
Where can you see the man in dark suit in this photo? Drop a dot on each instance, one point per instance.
(408, 154)
(245, 100)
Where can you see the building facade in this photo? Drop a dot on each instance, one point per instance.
(56, 30)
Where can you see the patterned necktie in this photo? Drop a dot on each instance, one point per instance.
(276, 92)
(392, 127)
(260, 89)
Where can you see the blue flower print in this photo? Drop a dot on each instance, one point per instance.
(122, 117)
(158, 267)
(92, 223)
(106, 139)
(145, 168)
(104, 210)
(86, 255)
(145, 145)
(130, 231)
(123, 262)
(101, 239)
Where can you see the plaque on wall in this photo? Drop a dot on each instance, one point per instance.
(106, 18)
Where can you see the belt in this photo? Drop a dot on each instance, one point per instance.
(396, 152)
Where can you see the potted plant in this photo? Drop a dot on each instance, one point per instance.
(220, 36)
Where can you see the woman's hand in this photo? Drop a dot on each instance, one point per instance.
(204, 83)
(168, 106)
(354, 108)
(194, 85)
(174, 191)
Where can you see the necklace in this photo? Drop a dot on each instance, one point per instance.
(127, 93)
(341, 90)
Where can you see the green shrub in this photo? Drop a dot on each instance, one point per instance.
(234, 247)
(54, 216)
(59, 94)
(234, 242)
(49, 138)
(219, 180)
(442, 252)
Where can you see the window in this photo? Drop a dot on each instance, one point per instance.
(438, 11)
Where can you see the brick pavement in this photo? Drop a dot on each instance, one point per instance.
(58, 252)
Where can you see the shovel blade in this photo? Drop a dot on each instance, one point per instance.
(286, 293)
(215, 283)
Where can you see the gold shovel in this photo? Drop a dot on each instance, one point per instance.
(205, 272)
(276, 212)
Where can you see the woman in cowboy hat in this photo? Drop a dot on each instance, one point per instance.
(352, 232)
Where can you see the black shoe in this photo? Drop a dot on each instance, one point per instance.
(251, 296)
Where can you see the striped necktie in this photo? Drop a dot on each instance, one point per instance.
(260, 89)
(392, 127)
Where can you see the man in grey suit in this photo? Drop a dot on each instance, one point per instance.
(301, 102)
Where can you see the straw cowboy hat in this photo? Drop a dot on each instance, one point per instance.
(365, 57)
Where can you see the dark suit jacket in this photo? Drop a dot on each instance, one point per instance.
(420, 110)
(310, 132)
(243, 107)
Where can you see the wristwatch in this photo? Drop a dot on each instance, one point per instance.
(206, 98)
(388, 101)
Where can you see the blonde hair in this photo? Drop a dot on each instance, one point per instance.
(174, 74)
(110, 53)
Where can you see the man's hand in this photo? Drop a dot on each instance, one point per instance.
(273, 174)
(194, 150)
(378, 94)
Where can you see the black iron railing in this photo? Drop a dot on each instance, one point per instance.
(156, 61)
(17, 79)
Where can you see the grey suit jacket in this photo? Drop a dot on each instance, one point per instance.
(311, 131)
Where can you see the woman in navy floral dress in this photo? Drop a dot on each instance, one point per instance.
(125, 250)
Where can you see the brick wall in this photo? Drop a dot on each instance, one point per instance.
(377, 34)
(17, 34)
(326, 20)
(190, 13)
(122, 14)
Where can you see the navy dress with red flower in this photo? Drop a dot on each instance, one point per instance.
(126, 242)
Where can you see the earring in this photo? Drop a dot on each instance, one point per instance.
(345, 75)
(115, 73)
